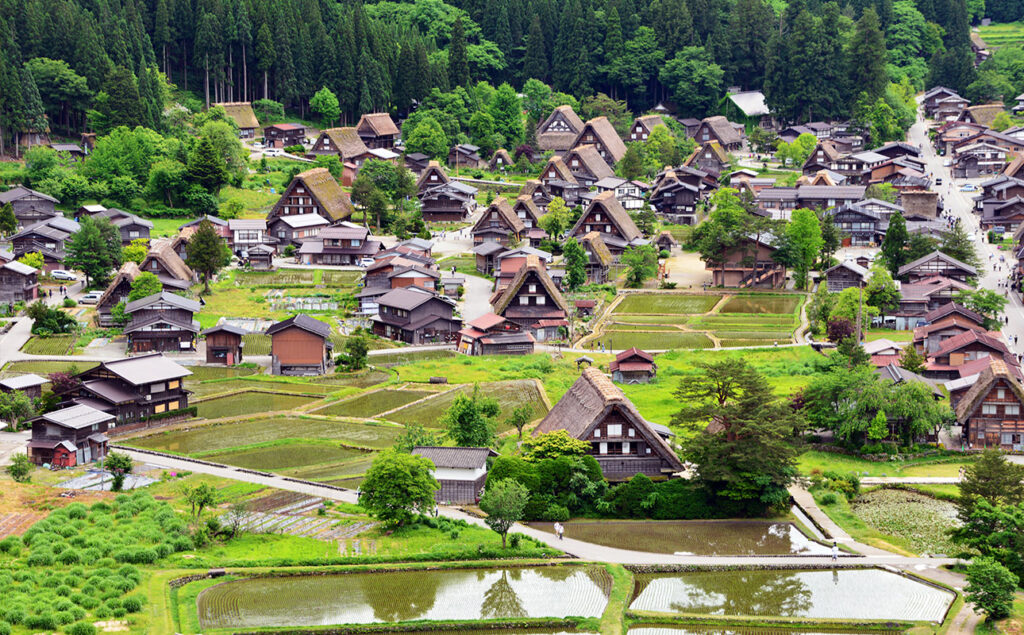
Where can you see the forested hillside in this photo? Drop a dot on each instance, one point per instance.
(81, 62)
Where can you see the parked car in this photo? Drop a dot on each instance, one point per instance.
(938, 181)
(60, 274)
(970, 187)
(273, 152)
(91, 298)
(366, 261)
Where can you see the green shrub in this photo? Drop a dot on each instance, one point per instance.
(10, 544)
(64, 617)
(45, 621)
(69, 556)
(556, 513)
(81, 628)
(828, 498)
(5, 628)
(40, 558)
(15, 615)
(132, 603)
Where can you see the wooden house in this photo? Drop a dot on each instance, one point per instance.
(527, 211)
(242, 114)
(431, 176)
(982, 114)
(500, 161)
(629, 193)
(977, 159)
(300, 345)
(224, 344)
(633, 366)
(30, 206)
(508, 263)
(162, 322)
(587, 165)
(219, 225)
(936, 264)
(720, 130)
(345, 143)
(498, 224)
(749, 264)
(859, 224)
(18, 283)
(933, 97)
(380, 273)
(675, 198)
(600, 133)
(30, 384)
(47, 237)
(295, 229)
(606, 216)
(441, 199)
(1004, 216)
(313, 192)
(416, 316)
(709, 157)
(533, 301)
(72, 151)
(377, 130)
(260, 257)
(558, 132)
(492, 334)
(339, 245)
(246, 233)
(966, 347)
(416, 162)
(643, 126)
(537, 191)
(624, 444)
(990, 412)
(954, 321)
(559, 181)
(486, 255)
(845, 275)
(283, 135)
(133, 388)
(461, 472)
(130, 226)
(599, 258)
(822, 157)
(919, 298)
(665, 241)
(465, 155)
(68, 437)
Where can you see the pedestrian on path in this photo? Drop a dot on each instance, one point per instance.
(835, 551)
(559, 530)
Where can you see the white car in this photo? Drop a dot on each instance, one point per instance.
(91, 298)
(273, 152)
(970, 187)
(366, 261)
(60, 274)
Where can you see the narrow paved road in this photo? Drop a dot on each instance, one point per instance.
(583, 550)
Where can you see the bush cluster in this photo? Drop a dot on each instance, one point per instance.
(847, 485)
(79, 562)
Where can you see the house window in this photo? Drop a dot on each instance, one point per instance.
(625, 447)
(524, 300)
(173, 384)
(540, 300)
(133, 234)
(1001, 393)
(533, 289)
(1011, 409)
(632, 432)
(603, 448)
(615, 429)
(988, 408)
(173, 405)
(160, 407)
(597, 433)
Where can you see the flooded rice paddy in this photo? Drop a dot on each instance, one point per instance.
(711, 630)
(703, 537)
(249, 403)
(394, 596)
(856, 594)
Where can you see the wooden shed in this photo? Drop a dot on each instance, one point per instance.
(224, 344)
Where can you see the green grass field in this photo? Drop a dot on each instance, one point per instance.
(812, 460)
(667, 303)
(508, 394)
(653, 340)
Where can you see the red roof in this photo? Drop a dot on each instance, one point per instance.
(634, 351)
(544, 323)
(632, 360)
(486, 321)
(881, 361)
(627, 367)
(969, 337)
(585, 304)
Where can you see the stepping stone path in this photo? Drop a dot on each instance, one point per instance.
(287, 513)
(15, 524)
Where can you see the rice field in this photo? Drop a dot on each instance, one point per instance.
(52, 345)
(732, 343)
(643, 327)
(739, 321)
(276, 457)
(222, 436)
(370, 404)
(777, 304)
(880, 595)
(779, 336)
(920, 520)
(508, 394)
(281, 277)
(636, 318)
(398, 596)
(352, 467)
(653, 340)
(667, 303)
(45, 368)
(248, 403)
(395, 358)
(205, 373)
(207, 388)
(996, 35)
(256, 344)
(361, 379)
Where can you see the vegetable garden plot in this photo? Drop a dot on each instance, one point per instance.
(222, 436)
(45, 368)
(334, 279)
(248, 403)
(256, 344)
(17, 523)
(852, 594)
(276, 457)
(53, 345)
(356, 466)
(374, 403)
(669, 303)
(508, 394)
(397, 596)
(777, 304)
(285, 277)
(920, 520)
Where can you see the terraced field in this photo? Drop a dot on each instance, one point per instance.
(776, 304)
(647, 340)
(996, 35)
(53, 345)
(249, 403)
(276, 457)
(222, 436)
(508, 394)
(667, 303)
(371, 404)
(240, 385)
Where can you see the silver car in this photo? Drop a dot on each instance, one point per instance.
(91, 298)
(60, 274)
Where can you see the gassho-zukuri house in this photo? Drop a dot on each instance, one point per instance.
(624, 443)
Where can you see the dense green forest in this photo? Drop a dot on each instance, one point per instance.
(81, 62)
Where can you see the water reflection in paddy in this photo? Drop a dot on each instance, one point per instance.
(700, 630)
(700, 537)
(393, 596)
(861, 594)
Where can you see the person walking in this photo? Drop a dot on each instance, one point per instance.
(559, 530)
(835, 551)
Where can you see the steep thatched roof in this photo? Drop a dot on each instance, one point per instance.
(501, 153)
(556, 140)
(163, 251)
(328, 193)
(605, 133)
(533, 265)
(997, 370)
(616, 212)
(507, 214)
(562, 171)
(589, 160)
(347, 141)
(380, 123)
(241, 113)
(525, 202)
(586, 404)
(433, 167)
(128, 271)
(595, 246)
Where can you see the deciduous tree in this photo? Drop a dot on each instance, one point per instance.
(504, 503)
(397, 486)
(575, 264)
(145, 285)
(642, 264)
(207, 253)
(470, 420)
